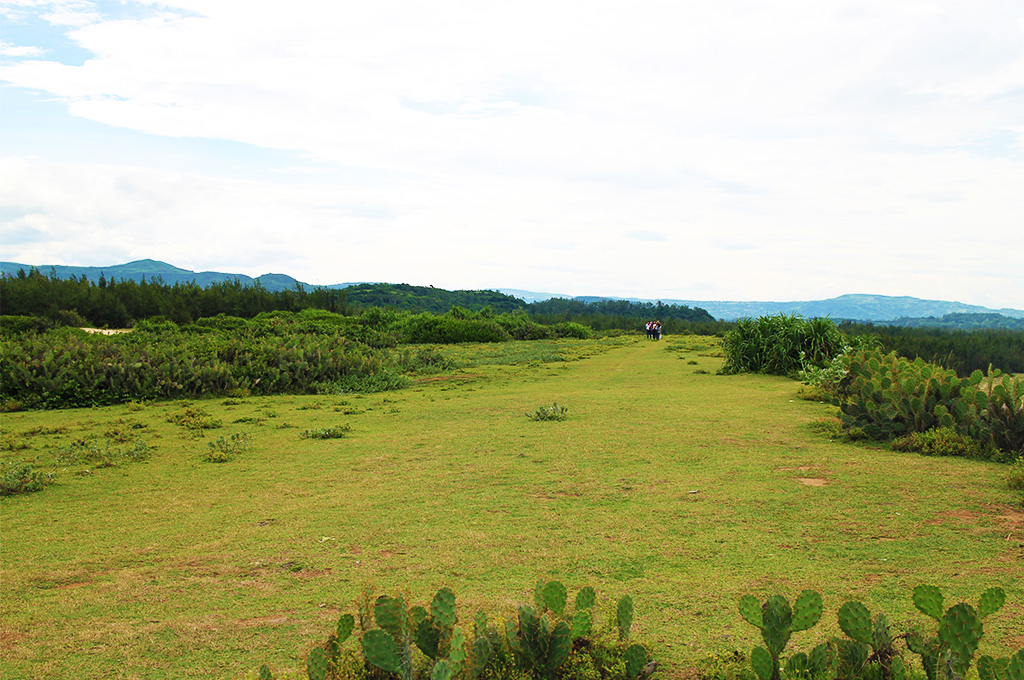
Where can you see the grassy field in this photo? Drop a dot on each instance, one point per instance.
(669, 483)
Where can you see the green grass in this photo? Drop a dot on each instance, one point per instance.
(677, 487)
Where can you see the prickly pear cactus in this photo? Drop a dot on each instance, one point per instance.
(635, 657)
(586, 598)
(555, 596)
(381, 650)
(316, 664)
(624, 616)
(960, 632)
(763, 664)
(777, 621)
(928, 600)
(806, 610)
(855, 621)
(346, 624)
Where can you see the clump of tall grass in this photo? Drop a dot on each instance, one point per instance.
(781, 344)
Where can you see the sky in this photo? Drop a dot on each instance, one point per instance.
(686, 149)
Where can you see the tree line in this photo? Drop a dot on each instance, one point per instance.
(52, 301)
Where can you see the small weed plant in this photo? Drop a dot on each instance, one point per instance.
(553, 412)
(224, 449)
(336, 432)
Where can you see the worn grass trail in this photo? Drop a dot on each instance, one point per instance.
(679, 487)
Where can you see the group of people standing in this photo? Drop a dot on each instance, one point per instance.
(654, 330)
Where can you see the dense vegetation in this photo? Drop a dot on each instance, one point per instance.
(963, 351)
(962, 321)
(277, 352)
(49, 301)
(881, 394)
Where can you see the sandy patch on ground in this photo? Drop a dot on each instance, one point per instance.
(107, 331)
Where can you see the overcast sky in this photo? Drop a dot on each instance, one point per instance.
(686, 149)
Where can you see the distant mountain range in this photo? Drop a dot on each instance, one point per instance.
(873, 308)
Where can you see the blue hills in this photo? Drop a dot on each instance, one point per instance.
(855, 307)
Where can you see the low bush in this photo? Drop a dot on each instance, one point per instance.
(21, 477)
(780, 345)
(223, 450)
(1015, 476)
(553, 412)
(195, 419)
(90, 452)
(941, 441)
(336, 432)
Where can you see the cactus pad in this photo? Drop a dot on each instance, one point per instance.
(778, 619)
(991, 601)
(855, 620)
(390, 614)
(581, 624)
(928, 600)
(345, 625)
(316, 664)
(586, 598)
(381, 650)
(806, 610)
(750, 610)
(635, 657)
(442, 671)
(762, 663)
(555, 596)
(442, 608)
(624, 616)
(960, 631)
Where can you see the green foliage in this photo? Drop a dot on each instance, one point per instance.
(886, 396)
(22, 477)
(222, 450)
(89, 452)
(947, 655)
(964, 350)
(336, 432)
(1015, 475)
(940, 441)
(195, 419)
(777, 621)
(409, 642)
(780, 345)
(553, 412)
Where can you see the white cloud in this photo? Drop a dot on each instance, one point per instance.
(780, 149)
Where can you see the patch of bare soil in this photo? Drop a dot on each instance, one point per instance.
(273, 620)
(1003, 519)
(812, 481)
(10, 638)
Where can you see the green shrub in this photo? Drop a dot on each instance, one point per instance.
(780, 345)
(940, 441)
(195, 419)
(1015, 476)
(222, 450)
(336, 432)
(90, 452)
(553, 412)
(22, 478)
